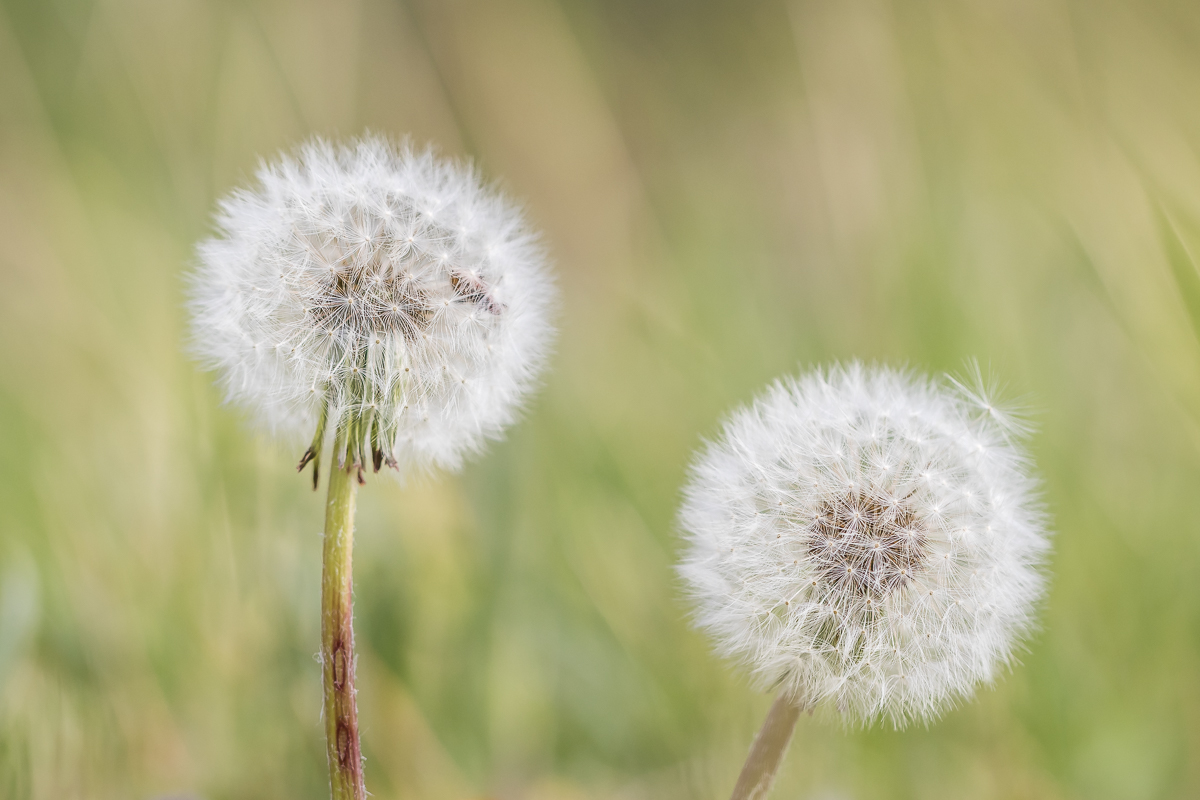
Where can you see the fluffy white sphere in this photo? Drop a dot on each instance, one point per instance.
(866, 538)
(377, 293)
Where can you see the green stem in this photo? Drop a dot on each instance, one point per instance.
(337, 638)
(766, 754)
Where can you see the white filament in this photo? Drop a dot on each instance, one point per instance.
(866, 538)
(383, 284)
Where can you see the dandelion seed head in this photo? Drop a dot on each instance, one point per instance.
(355, 280)
(864, 482)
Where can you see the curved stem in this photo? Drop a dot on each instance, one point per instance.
(766, 754)
(337, 638)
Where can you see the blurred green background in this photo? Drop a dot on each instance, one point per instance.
(730, 189)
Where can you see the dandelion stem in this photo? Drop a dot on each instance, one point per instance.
(337, 638)
(766, 754)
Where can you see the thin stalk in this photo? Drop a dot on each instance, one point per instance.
(766, 754)
(337, 638)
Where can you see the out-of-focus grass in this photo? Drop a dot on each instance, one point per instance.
(730, 189)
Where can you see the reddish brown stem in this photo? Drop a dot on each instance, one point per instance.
(337, 639)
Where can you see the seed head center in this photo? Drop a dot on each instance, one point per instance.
(371, 288)
(367, 294)
(866, 545)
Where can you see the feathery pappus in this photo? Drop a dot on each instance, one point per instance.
(376, 296)
(868, 539)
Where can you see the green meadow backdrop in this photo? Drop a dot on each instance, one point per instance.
(730, 190)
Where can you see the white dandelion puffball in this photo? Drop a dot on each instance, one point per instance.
(376, 296)
(866, 539)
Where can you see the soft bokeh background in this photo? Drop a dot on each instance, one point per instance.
(730, 189)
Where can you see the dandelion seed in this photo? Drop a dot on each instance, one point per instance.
(866, 541)
(340, 236)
